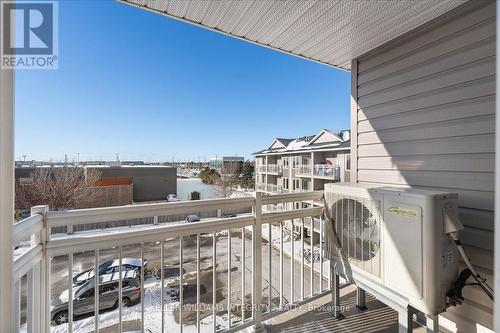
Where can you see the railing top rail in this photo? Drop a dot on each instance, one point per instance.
(27, 227)
(289, 197)
(291, 214)
(151, 233)
(108, 214)
(25, 262)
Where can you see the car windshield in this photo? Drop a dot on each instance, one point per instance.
(85, 289)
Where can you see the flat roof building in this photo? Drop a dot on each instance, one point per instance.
(225, 162)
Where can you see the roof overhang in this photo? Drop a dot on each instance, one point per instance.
(328, 32)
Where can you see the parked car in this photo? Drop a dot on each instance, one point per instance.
(83, 299)
(192, 218)
(108, 267)
(172, 198)
(228, 215)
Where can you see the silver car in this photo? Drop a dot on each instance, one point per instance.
(83, 299)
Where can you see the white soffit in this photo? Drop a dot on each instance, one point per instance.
(330, 32)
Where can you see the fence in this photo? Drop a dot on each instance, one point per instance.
(234, 242)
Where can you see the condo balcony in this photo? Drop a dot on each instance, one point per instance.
(216, 274)
(304, 170)
(274, 168)
(260, 187)
(261, 168)
(327, 171)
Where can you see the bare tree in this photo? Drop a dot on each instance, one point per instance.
(60, 188)
(227, 180)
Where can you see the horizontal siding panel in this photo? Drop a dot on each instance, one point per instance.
(456, 145)
(441, 30)
(464, 109)
(460, 127)
(476, 296)
(425, 118)
(457, 41)
(471, 53)
(482, 239)
(463, 180)
(481, 258)
(481, 200)
(479, 219)
(456, 162)
(466, 73)
(461, 92)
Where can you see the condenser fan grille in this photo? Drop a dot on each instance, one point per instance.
(357, 224)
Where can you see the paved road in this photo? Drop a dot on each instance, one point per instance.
(84, 261)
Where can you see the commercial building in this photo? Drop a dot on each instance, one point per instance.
(125, 184)
(151, 183)
(225, 162)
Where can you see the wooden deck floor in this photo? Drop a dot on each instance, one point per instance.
(316, 317)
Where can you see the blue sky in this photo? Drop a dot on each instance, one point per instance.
(151, 88)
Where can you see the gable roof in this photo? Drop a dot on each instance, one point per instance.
(279, 143)
(324, 139)
(334, 137)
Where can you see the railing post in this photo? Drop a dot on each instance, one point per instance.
(257, 263)
(6, 198)
(38, 281)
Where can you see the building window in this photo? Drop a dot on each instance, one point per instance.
(348, 162)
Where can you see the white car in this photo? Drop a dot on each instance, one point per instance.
(172, 198)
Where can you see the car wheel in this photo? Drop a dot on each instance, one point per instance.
(126, 302)
(61, 317)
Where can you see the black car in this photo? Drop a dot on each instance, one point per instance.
(109, 267)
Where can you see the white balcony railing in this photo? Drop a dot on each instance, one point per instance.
(261, 168)
(274, 168)
(273, 188)
(270, 168)
(304, 170)
(328, 171)
(260, 187)
(51, 261)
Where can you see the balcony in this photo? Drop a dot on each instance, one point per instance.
(270, 168)
(304, 170)
(273, 188)
(184, 271)
(274, 168)
(261, 168)
(260, 187)
(327, 171)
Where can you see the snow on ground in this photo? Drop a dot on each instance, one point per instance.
(152, 314)
(297, 250)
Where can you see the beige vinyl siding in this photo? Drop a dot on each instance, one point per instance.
(424, 115)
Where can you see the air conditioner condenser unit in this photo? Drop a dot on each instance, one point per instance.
(396, 243)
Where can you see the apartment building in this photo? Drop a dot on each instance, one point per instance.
(303, 164)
